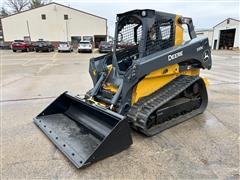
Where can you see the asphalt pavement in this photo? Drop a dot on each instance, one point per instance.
(207, 146)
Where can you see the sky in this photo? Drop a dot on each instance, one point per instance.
(205, 14)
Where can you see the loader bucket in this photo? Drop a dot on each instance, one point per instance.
(85, 133)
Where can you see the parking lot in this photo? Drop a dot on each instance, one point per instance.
(204, 147)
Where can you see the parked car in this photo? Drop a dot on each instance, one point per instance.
(124, 45)
(105, 46)
(44, 46)
(85, 46)
(65, 46)
(4, 45)
(21, 45)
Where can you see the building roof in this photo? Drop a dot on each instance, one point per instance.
(202, 30)
(225, 20)
(59, 5)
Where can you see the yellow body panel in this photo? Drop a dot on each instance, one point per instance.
(158, 79)
(206, 81)
(178, 32)
(108, 86)
(97, 102)
(192, 72)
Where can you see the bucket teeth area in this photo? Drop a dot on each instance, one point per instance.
(84, 133)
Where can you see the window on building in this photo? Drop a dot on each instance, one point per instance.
(75, 39)
(65, 17)
(88, 38)
(27, 38)
(228, 21)
(43, 16)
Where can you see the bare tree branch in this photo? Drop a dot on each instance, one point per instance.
(37, 3)
(16, 6)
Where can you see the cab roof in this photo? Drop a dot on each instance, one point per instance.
(149, 12)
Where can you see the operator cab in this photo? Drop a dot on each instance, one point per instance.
(130, 41)
(129, 35)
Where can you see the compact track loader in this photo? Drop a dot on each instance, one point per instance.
(150, 82)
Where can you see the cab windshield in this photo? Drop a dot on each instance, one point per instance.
(129, 35)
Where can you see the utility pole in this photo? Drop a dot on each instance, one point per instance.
(28, 31)
(67, 29)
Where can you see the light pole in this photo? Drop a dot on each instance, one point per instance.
(67, 27)
(28, 31)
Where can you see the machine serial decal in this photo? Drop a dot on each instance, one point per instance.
(174, 56)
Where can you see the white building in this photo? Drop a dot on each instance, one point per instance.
(205, 33)
(224, 35)
(54, 22)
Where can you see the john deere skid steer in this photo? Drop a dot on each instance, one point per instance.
(150, 82)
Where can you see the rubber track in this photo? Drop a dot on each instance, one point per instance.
(139, 113)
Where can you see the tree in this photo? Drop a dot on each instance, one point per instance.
(17, 6)
(37, 3)
(4, 12)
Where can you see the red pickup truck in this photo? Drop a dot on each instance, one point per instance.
(22, 46)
